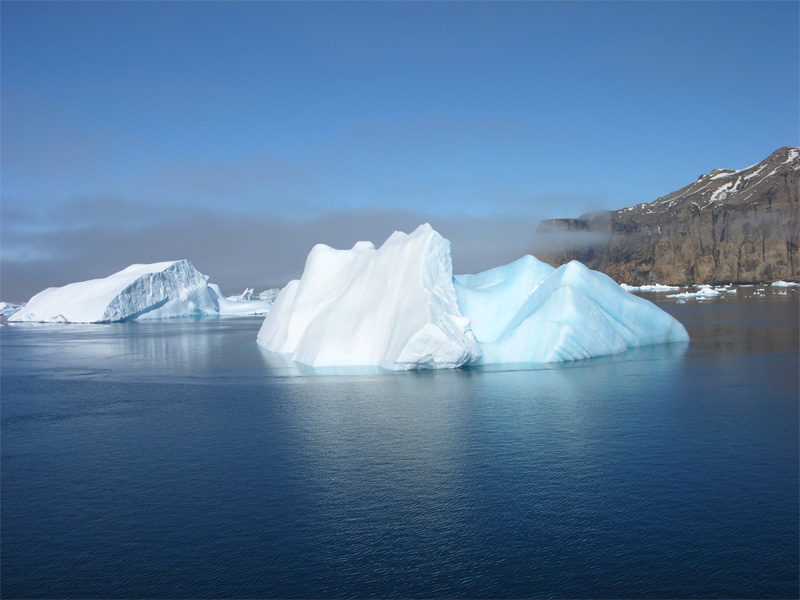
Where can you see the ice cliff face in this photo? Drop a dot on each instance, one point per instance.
(176, 290)
(139, 292)
(393, 307)
(399, 307)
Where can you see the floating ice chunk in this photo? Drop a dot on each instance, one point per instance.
(785, 284)
(705, 291)
(138, 292)
(654, 287)
(399, 307)
(270, 294)
(393, 307)
(245, 296)
(228, 308)
(8, 308)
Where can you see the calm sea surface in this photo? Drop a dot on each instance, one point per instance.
(179, 460)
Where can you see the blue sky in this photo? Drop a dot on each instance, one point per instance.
(238, 134)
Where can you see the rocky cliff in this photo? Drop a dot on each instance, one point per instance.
(726, 227)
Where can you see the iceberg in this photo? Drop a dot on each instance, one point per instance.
(9, 308)
(139, 292)
(393, 307)
(530, 312)
(400, 307)
(245, 296)
(269, 294)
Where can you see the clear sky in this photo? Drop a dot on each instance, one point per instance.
(238, 134)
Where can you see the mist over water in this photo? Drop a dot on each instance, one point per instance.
(178, 459)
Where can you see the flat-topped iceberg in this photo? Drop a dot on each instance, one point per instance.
(399, 307)
(139, 292)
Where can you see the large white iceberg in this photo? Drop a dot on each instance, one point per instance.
(399, 307)
(394, 307)
(139, 292)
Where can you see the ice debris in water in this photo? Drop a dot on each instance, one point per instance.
(705, 291)
(653, 287)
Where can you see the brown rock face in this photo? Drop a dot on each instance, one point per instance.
(726, 227)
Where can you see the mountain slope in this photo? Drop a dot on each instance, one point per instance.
(726, 227)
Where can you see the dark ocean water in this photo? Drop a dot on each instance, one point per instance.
(179, 460)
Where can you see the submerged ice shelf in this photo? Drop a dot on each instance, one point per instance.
(138, 292)
(400, 307)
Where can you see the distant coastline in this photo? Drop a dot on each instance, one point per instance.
(738, 227)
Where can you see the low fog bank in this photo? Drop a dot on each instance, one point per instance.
(234, 251)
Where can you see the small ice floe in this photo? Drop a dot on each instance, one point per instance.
(705, 291)
(785, 284)
(726, 289)
(654, 287)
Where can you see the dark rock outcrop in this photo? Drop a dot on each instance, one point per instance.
(726, 227)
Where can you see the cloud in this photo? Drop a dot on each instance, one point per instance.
(553, 243)
(94, 238)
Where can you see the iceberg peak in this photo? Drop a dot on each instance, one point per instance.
(393, 307)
